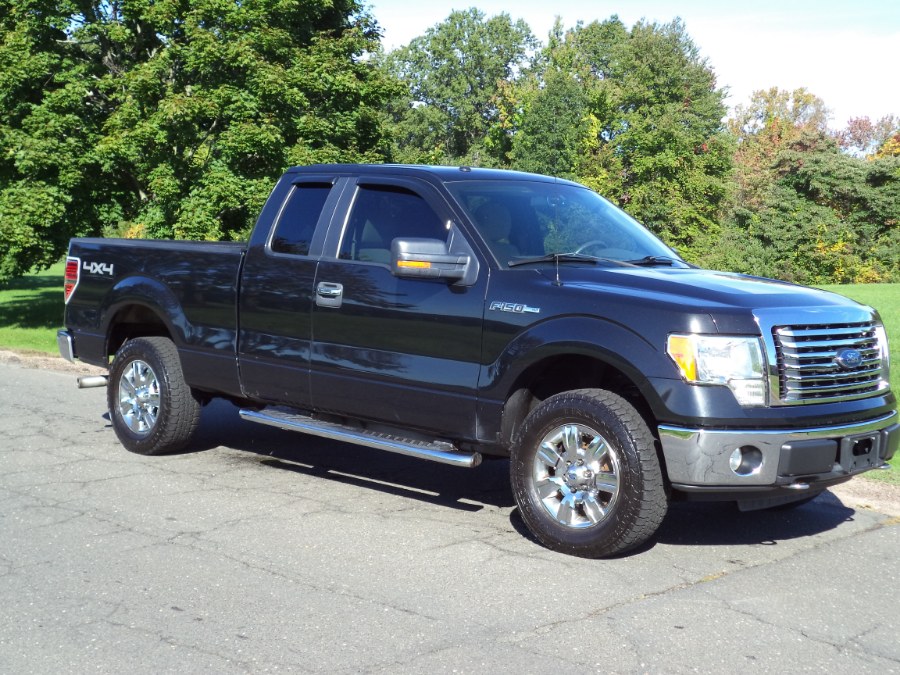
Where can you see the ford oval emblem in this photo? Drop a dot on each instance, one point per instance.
(849, 359)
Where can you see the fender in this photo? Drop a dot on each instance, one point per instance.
(594, 337)
(152, 294)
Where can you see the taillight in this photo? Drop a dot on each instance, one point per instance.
(73, 271)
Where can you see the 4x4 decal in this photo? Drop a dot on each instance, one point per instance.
(97, 268)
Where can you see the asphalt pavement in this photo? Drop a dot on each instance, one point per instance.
(266, 551)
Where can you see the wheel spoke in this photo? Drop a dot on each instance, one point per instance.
(148, 418)
(593, 509)
(137, 377)
(597, 450)
(547, 488)
(607, 482)
(128, 386)
(548, 455)
(132, 419)
(566, 513)
(571, 442)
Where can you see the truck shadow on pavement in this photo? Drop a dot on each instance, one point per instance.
(408, 477)
(722, 524)
(687, 523)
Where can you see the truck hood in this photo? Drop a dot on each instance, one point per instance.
(701, 290)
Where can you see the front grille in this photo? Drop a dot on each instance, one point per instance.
(809, 367)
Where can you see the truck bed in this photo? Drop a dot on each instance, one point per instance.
(199, 282)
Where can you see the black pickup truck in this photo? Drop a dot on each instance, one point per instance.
(455, 313)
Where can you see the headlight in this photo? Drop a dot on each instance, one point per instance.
(735, 362)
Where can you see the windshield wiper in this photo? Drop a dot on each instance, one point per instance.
(653, 261)
(555, 258)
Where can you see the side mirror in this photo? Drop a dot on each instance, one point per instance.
(427, 259)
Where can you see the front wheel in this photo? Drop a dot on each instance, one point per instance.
(152, 409)
(586, 475)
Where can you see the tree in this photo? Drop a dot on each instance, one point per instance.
(864, 137)
(554, 127)
(636, 115)
(455, 73)
(172, 119)
(48, 186)
(804, 210)
(773, 119)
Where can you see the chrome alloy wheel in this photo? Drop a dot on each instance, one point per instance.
(139, 397)
(576, 475)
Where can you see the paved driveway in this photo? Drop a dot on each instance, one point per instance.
(267, 551)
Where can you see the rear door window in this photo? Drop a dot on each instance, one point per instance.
(298, 219)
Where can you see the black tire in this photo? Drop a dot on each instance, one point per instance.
(152, 409)
(605, 493)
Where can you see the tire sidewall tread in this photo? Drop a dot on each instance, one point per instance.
(641, 502)
(179, 411)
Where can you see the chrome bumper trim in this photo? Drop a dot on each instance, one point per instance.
(700, 456)
(66, 345)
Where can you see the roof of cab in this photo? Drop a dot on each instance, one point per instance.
(445, 174)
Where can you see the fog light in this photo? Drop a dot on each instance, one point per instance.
(746, 461)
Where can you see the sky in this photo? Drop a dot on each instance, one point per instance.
(845, 52)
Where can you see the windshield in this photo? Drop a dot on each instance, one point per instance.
(520, 220)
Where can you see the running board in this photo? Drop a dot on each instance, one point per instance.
(436, 451)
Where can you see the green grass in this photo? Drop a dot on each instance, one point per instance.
(886, 299)
(31, 311)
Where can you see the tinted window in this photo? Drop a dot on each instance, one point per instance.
(297, 223)
(379, 215)
(522, 219)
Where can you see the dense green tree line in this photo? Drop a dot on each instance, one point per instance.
(172, 119)
(637, 114)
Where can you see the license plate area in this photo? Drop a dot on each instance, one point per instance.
(862, 452)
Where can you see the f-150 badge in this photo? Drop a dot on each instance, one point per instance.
(514, 307)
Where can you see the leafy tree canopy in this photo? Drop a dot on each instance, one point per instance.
(635, 114)
(804, 210)
(455, 73)
(173, 118)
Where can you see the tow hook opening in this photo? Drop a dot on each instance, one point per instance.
(862, 447)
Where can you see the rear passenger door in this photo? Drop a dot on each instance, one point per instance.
(401, 351)
(277, 290)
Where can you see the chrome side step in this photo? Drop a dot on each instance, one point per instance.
(436, 451)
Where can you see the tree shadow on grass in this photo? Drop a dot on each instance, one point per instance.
(41, 309)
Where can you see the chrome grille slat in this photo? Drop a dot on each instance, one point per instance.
(808, 369)
(828, 367)
(835, 388)
(828, 355)
(790, 332)
(832, 377)
(850, 343)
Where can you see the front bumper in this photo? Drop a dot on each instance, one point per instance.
(698, 459)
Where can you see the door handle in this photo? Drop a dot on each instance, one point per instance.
(329, 294)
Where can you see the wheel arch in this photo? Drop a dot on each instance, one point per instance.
(571, 369)
(142, 307)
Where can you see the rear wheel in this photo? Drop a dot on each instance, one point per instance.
(586, 476)
(152, 409)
